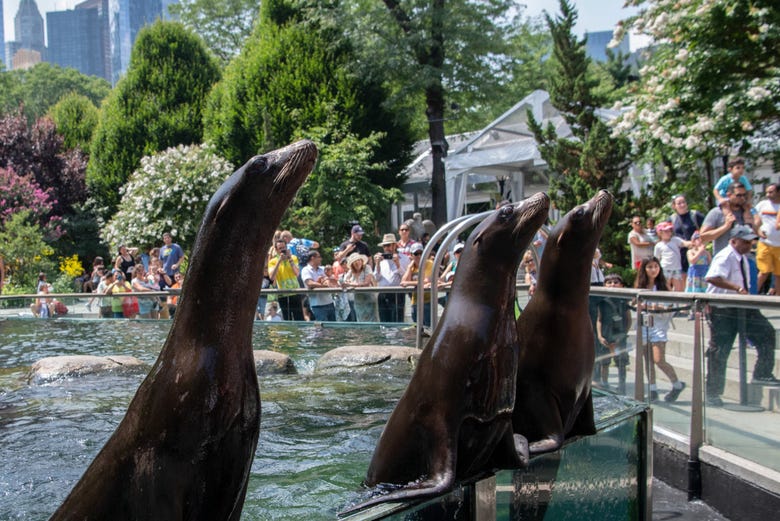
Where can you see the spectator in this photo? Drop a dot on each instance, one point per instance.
(405, 242)
(612, 326)
(262, 300)
(283, 271)
(119, 286)
(698, 264)
(721, 219)
(98, 268)
(668, 250)
(728, 274)
(354, 244)
(105, 304)
(299, 247)
(272, 313)
(736, 171)
(159, 281)
(411, 279)
(360, 276)
(650, 230)
(768, 249)
(389, 267)
(685, 221)
(639, 241)
(43, 306)
(654, 331)
(313, 276)
(173, 300)
(171, 255)
(41, 281)
(529, 266)
(140, 284)
(125, 260)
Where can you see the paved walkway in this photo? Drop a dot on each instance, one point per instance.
(672, 504)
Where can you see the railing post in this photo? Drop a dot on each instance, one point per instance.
(639, 379)
(696, 435)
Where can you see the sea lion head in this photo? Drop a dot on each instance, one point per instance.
(243, 214)
(581, 228)
(505, 234)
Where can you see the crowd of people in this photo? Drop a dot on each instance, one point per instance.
(675, 255)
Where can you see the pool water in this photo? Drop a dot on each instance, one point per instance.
(317, 431)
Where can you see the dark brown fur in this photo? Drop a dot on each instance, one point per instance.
(553, 400)
(185, 447)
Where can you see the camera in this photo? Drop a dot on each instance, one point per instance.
(387, 256)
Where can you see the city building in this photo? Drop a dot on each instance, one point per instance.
(75, 40)
(28, 27)
(2, 37)
(596, 47)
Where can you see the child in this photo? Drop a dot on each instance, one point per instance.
(650, 230)
(698, 263)
(655, 326)
(612, 326)
(736, 171)
(668, 251)
(272, 314)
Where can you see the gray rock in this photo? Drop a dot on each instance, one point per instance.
(54, 367)
(368, 358)
(271, 362)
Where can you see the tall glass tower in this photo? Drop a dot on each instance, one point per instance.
(126, 18)
(28, 26)
(2, 36)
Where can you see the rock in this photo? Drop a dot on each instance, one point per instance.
(54, 367)
(367, 358)
(271, 362)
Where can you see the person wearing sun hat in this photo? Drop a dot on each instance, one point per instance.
(728, 274)
(389, 267)
(411, 279)
(360, 275)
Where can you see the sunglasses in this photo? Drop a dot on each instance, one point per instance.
(417, 253)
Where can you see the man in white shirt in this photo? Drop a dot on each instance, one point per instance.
(768, 250)
(728, 273)
(313, 276)
(389, 267)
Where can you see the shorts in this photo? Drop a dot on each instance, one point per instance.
(768, 258)
(654, 334)
(673, 274)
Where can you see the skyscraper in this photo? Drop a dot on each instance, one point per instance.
(126, 18)
(2, 35)
(74, 40)
(28, 26)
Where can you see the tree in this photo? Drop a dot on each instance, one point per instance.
(223, 25)
(591, 159)
(168, 193)
(339, 191)
(439, 53)
(296, 72)
(75, 117)
(36, 150)
(156, 105)
(24, 251)
(42, 86)
(22, 194)
(711, 83)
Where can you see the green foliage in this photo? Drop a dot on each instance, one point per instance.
(158, 104)
(223, 25)
(589, 160)
(169, 192)
(76, 118)
(712, 82)
(299, 76)
(40, 87)
(340, 191)
(25, 252)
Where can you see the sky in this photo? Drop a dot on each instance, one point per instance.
(594, 15)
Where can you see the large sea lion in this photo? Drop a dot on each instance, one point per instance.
(454, 419)
(553, 399)
(185, 447)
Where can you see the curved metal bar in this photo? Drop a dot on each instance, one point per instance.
(445, 229)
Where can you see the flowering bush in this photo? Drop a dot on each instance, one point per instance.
(712, 81)
(169, 192)
(18, 193)
(24, 251)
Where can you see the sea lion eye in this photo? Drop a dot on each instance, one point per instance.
(579, 213)
(506, 212)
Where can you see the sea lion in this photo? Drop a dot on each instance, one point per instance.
(454, 419)
(185, 447)
(553, 399)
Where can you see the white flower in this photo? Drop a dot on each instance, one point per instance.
(692, 142)
(757, 93)
(747, 126)
(720, 106)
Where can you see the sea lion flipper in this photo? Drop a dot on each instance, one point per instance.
(548, 444)
(584, 425)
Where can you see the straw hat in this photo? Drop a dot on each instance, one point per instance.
(388, 238)
(356, 257)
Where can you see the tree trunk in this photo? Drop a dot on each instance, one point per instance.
(435, 113)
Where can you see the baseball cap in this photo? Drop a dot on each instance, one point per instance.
(357, 229)
(744, 232)
(458, 247)
(664, 226)
(415, 248)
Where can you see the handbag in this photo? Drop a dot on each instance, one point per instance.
(129, 307)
